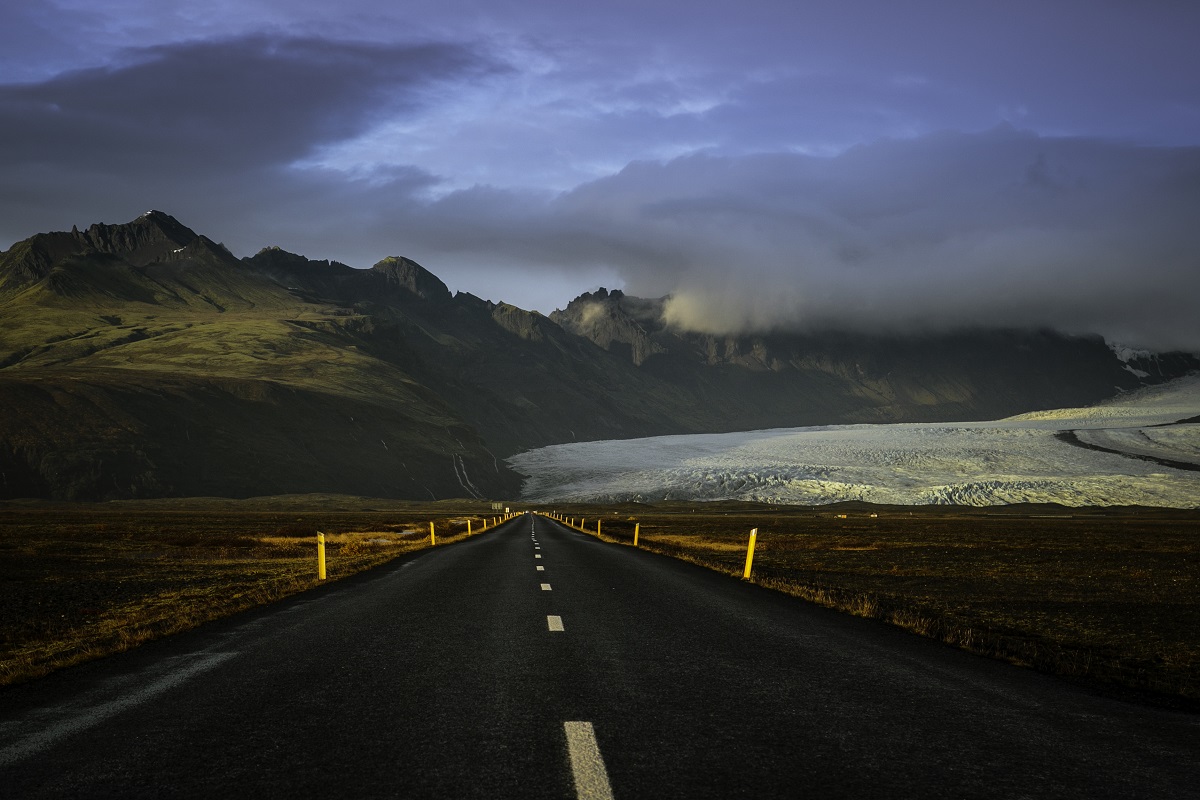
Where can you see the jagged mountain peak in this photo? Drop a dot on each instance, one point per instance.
(153, 259)
(615, 321)
(399, 272)
(286, 265)
(519, 322)
(154, 236)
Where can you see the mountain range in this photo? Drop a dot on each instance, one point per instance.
(146, 360)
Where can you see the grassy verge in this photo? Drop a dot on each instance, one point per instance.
(83, 581)
(1106, 595)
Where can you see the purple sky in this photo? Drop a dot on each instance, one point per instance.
(874, 164)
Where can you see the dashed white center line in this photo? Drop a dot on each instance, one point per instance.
(541, 569)
(537, 555)
(545, 587)
(587, 766)
(554, 623)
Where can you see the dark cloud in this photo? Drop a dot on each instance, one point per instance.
(251, 101)
(237, 109)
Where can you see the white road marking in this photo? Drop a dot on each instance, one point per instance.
(89, 717)
(541, 569)
(545, 587)
(554, 623)
(537, 555)
(587, 766)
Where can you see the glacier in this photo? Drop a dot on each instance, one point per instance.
(1029, 458)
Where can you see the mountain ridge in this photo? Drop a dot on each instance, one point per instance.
(275, 373)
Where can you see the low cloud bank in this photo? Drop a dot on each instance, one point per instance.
(1004, 228)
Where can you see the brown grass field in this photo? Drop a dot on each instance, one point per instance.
(83, 581)
(1110, 596)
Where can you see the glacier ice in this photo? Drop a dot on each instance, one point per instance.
(1018, 459)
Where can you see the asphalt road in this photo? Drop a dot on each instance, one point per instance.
(465, 671)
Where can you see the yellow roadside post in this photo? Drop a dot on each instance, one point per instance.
(750, 554)
(597, 527)
(320, 556)
(637, 526)
(468, 527)
(432, 537)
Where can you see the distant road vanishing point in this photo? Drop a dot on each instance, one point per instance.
(536, 662)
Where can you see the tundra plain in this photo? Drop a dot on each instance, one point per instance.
(1109, 596)
(82, 581)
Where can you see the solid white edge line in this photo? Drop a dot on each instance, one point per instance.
(87, 718)
(587, 765)
(554, 623)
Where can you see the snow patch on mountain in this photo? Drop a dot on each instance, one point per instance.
(1125, 353)
(1012, 460)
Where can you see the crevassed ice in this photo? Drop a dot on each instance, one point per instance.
(1018, 459)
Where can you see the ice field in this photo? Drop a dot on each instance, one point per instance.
(1013, 460)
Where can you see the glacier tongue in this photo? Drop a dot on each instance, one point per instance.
(1013, 460)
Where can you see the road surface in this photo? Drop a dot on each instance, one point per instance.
(536, 662)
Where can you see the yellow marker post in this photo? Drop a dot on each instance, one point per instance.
(637, 527)
(468, 527)
(320, 556)
(597, 527)
(750, 554)
(432, 536)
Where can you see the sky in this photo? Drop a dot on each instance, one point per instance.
(861, 164)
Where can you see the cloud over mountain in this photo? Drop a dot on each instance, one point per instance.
(1000, 228)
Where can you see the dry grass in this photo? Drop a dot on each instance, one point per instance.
(80, 582)
(1107, 595)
